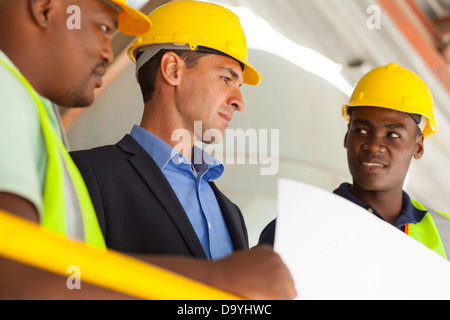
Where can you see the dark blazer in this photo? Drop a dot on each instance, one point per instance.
(136, 207)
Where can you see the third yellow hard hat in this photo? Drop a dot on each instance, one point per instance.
(397, 88)
(131, 21)
(198, 23)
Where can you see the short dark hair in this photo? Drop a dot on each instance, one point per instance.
(147, 73)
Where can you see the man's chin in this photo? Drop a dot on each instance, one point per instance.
(81, 105)
(371, 186)
(80, 101)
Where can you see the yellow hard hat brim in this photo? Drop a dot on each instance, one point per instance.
(251, 76)
(131, 21)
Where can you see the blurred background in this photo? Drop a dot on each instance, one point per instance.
(310, 53)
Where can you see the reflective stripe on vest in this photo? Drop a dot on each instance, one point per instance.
(67, 207)
(433, 231)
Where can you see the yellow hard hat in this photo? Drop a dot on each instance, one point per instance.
(397, 88)
(198, 23)
(131, 21)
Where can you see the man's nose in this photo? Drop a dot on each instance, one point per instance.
(374, 144)
(236, 100)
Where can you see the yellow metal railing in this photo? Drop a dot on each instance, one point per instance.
(29, 243)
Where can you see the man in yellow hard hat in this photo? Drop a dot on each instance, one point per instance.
(390, 114)
(190, 67)
(153, 191)
(46, 62)
(43, 61)
(154, 194)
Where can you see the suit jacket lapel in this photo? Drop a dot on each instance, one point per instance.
(158, 184)
(233, 218)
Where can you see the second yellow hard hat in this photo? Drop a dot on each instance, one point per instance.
(397, 88)
(198, 23)
(131, 21)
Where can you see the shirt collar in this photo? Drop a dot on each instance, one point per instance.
(163, 154)
(409, 214)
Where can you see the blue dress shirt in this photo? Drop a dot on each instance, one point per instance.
(192, 190)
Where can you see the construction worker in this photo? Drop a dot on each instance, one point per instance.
(152, 197)
(190, 67)
(390, 114)
(33, 170)
(46, 60)
(43, 61)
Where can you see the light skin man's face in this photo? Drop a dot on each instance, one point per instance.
(211, 93)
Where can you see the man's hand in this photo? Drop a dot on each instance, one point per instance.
(255, 274)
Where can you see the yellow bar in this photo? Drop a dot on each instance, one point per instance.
(29, 243)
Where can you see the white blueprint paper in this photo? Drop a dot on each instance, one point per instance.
(337, 250)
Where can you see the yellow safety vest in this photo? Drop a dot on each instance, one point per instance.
(67, 207)
(433, 231)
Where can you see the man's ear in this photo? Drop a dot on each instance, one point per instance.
(419, 147)
(40, 11)
(171, 68)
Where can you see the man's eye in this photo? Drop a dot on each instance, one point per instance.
(360, 130)
(105, 28)
(393, 135)
(226, 79)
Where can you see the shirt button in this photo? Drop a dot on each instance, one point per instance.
(209, 225)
